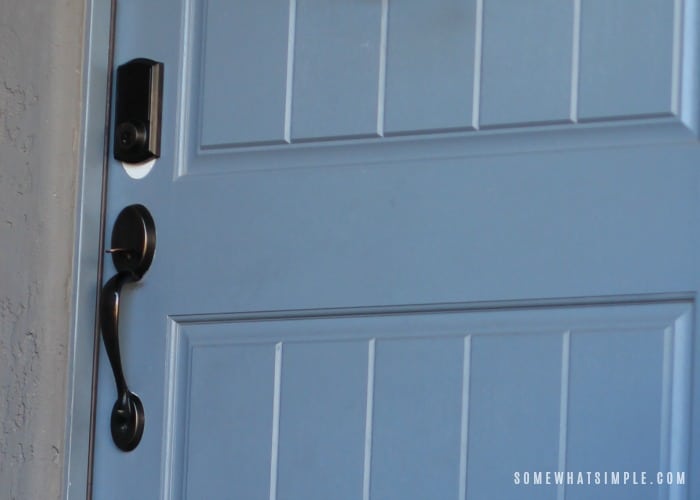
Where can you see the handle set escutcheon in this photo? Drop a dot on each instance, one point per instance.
(133, 246)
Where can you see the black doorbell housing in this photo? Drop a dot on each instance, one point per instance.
(138, 111)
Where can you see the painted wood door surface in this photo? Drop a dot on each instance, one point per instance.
(414, 249)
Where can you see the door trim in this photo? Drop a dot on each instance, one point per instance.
(88, 244)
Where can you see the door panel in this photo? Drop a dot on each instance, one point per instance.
(224, 385)
(248, 81)
(334, 84)
(424, 42)
(526, 66)
(426, 404)
(405, 251)
(635, 74)
(396, 68)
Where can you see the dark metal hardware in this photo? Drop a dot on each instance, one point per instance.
(138, 111)
(133, 246)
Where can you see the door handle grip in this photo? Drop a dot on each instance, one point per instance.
(133, 247)
(127, 421)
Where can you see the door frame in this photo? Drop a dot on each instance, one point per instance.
(88, 247)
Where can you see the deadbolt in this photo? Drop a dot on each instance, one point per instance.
(138, 111)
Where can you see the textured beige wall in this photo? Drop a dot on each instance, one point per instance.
(40, 65)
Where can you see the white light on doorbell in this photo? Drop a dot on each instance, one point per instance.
(139, 170)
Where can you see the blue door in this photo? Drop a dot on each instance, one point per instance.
(414, 250)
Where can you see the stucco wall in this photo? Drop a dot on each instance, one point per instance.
(40, 60)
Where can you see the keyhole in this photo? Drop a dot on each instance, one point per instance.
(131, 135)
(125, 138)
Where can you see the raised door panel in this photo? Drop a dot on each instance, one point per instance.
(408, 405)
(300, 82)
(429, 63)
(629, 56)
(244, 67)
(526, 66)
